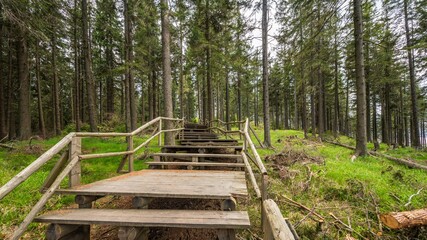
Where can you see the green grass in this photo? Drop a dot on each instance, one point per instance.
(15, 206)
(344, 187)
(338, 186)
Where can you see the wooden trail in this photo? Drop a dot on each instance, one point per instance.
(202, 166)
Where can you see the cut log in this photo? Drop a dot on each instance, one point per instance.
(398, 220)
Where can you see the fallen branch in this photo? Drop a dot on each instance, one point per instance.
(4, 138)
(347, 227)
(398, 160)
(398, 220)
(413, 195)
(377, 212)
(6, 146)
(321, 219)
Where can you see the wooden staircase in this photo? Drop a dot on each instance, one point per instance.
(172, 175)
(203, 166)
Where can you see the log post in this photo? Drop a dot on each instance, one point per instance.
(58, 231)
(133, 233)
(229, 204)
(160, 131)
(141, 202)
(130, 156)
(226, 234)
(398, 220)
(75, 151)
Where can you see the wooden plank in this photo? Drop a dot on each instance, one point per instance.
(150, 218)
(196, 164)
(209, 155)
(209, 140)
(275, 227)
(204, 147)
(169, 183)
(35, 165)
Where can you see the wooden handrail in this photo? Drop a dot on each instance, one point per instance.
(73, 163)
(34, 166)
(248, 139)
(251, 175)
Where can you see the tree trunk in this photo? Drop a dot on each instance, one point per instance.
(11, 99)
(227, 99)
(55, 92)
(266, 104)
(336, 92)
(167, 77)
(361, 148)
(24, 88)
(110, 80)
(414, 113)
(42, 127)
(209, 89)
(90, 82)
(181, 71)
(3, 130)
(77, 105)
(128, 61)
(374, 118)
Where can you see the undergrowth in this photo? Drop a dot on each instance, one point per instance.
(318, 175)
(323, 178)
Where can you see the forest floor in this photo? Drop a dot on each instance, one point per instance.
(320, 176)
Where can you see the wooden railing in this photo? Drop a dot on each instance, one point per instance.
(69, 163)
(273, 224)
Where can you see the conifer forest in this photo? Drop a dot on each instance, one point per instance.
(82, 64)
(332, 93)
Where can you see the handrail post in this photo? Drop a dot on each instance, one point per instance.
(76, 172)
(160, 131)
(130, 156)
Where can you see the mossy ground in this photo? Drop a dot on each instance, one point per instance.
(353, 191)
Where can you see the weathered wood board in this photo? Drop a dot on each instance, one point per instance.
(150, 218)
(169, 184)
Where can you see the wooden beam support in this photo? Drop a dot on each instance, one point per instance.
(229, 204)
(83, 199)
(141, 202)
(58, 231)
(226, 234)
(60, 164)
(133, 233)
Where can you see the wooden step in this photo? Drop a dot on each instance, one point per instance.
(149, 218)
(168, 184)
(211, 140)
(207, 143)
(198, 164)
(195, 126)
(200, 147)
(197, 137)
(197, 155)
(202, 130)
